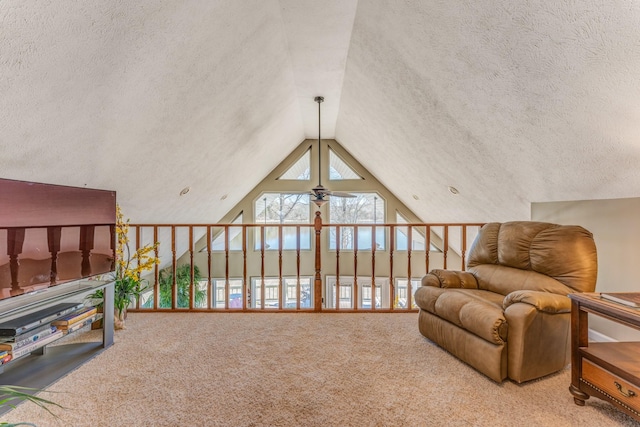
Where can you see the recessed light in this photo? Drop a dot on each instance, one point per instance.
(185, 190)
(415, 196)
(224, 197)
(453, 190)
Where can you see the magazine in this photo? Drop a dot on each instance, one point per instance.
(630, 299)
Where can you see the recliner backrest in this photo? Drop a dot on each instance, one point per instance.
(566, 253)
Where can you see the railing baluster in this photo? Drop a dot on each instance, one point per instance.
(226, 267)
(392, 296)
(428, 248)
(355, 293)
(317, 287)
(192, 285)
(463, 247)
(156, 273)
(137, 248)
(338, 244)
(209, 284)
(445, 246)
(246, 297)
(263, 288)
(373, 267)
(174, 287)
(409, 284)
(298, 290)
(281, 298)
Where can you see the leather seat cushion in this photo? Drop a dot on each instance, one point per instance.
(477, 311)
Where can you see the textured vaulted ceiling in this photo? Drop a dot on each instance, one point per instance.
(509, 102)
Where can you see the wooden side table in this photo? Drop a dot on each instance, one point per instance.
(607, 370)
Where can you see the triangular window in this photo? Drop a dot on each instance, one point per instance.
(338, 169)
(417, 235)
(234, 237)
(300, 170)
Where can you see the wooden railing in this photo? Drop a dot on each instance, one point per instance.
(296, 267)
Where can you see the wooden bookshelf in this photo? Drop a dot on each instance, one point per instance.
(46, 364)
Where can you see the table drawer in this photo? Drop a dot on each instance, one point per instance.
(611, 384)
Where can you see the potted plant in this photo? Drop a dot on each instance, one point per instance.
(128, 285)
(11, 394)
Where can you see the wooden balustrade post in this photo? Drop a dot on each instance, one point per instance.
(87, 236)
(445, 246)
(317, 283)
(174, 286)
(209, 283)
(192, 285)
(337, 295)
(226, 267)
(391, 283)
(156, 271)
(247, 300)
(15, 241)
(427, 248)
(409, 248)
(137, 247)
(54, 235)
(463, 251)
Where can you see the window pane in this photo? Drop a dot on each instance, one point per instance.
(289, 289)
(402, 292)
(364, 208)
(281, 208)
(300, 170)
(236, 293)
(338, 169)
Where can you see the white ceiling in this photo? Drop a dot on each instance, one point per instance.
(509, 102)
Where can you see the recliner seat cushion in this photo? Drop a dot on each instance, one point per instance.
(477, 311)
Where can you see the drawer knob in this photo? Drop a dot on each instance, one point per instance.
(628, 393)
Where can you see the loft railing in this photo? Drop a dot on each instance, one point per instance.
(296, 267)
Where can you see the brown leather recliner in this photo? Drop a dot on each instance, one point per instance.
(508, 315)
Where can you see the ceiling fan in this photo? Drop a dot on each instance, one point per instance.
(319, 192)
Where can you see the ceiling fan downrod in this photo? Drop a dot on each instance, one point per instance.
(319, 100)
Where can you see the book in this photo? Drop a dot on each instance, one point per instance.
(67, 329)
(36, 345)
(28, 334)
(14, 345)
(630, 299)
(30, 321)
(74, 317)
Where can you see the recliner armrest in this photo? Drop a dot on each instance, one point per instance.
(542, 301)
(450, 279)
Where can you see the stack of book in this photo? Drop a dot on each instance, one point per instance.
(27, 337)
(29, 341)
(76, 320)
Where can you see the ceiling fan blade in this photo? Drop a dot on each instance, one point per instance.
(340, 194)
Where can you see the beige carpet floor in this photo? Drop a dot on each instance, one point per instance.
(296, 369)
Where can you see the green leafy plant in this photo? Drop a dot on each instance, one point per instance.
(183, 284)
(11, 394)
